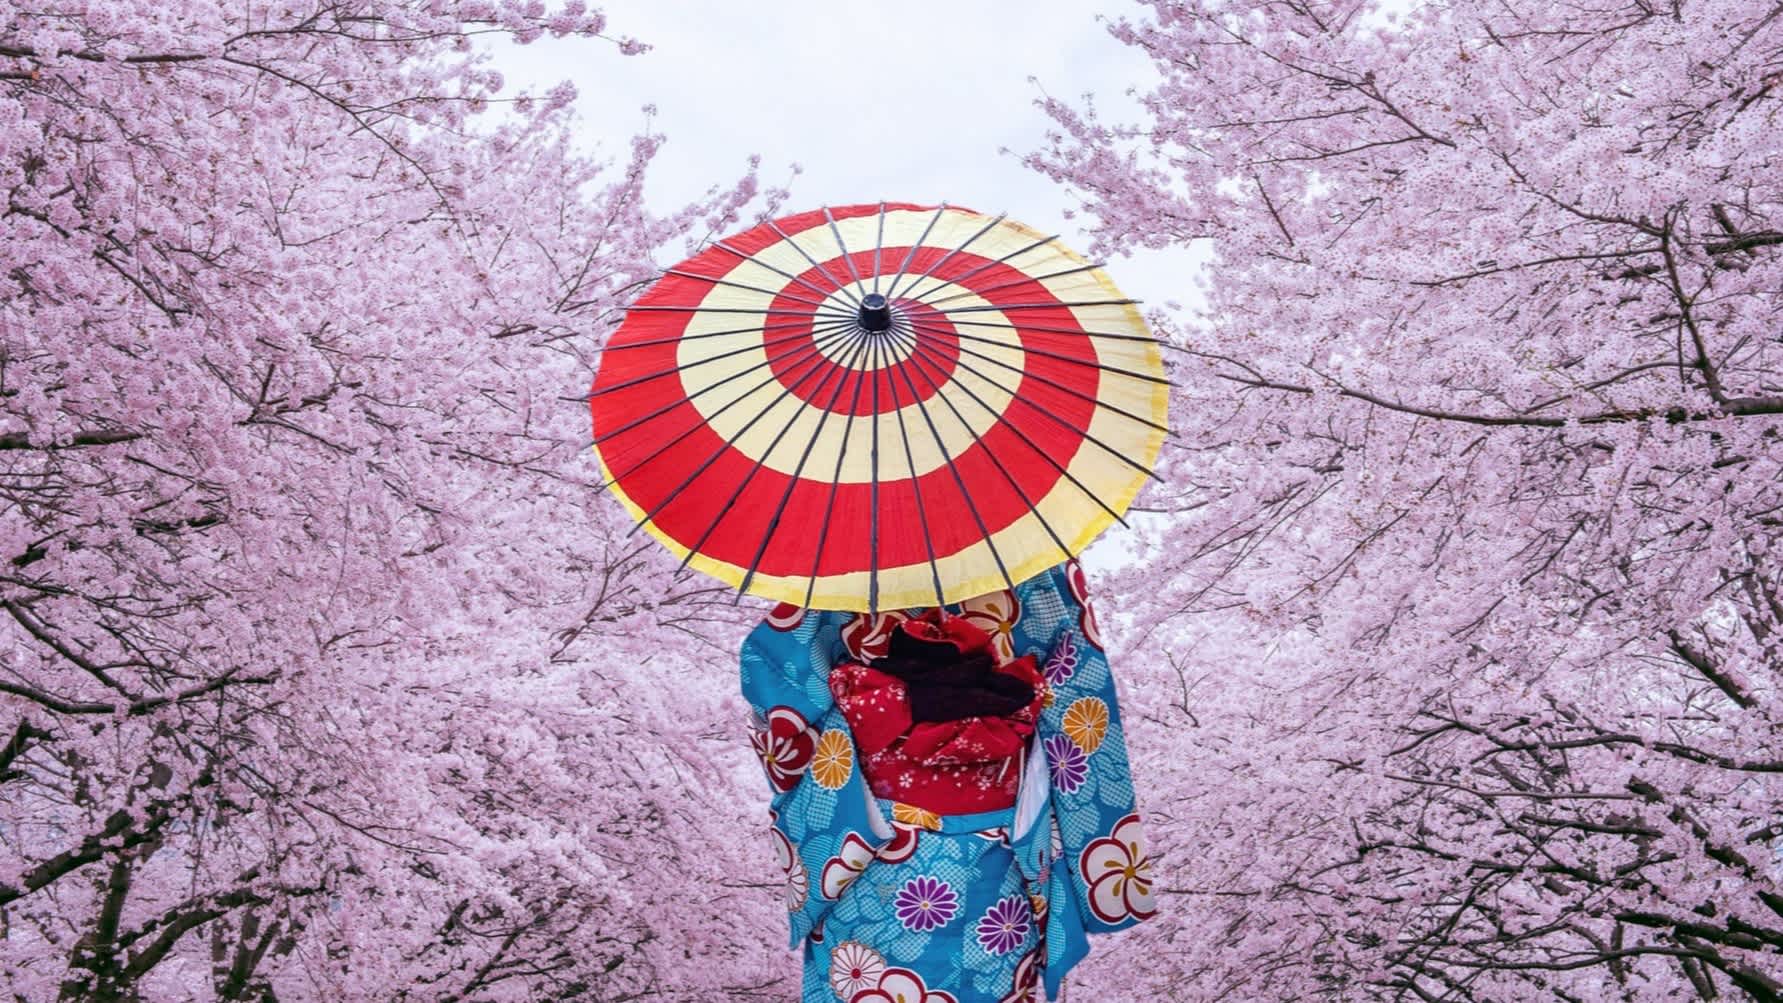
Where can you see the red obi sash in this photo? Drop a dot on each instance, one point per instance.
(940, 723)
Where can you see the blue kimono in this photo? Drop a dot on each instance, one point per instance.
(894, 903)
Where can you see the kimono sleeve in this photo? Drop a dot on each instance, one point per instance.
(1102, 845)
(825, 827)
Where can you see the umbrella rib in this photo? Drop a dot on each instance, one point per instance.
(801, 280)
(935, 388)
(829, 508)
(922, 515)
(1135, 464)
(804, 357)
(1038, 306)
(878, 246)
(855, 353)
(728, 444)
(1105, 367)
(910, 254)
(841, 287)
(1012, 283)
(873, 504)
(930, 271)
(1054, 330)
(941, 445)
(829, 327)
(751, 329)
(753, 311)
(798, 356)
(847, 259)
(1023, 436)
(744, 285)
(760, 461)
(963, 276)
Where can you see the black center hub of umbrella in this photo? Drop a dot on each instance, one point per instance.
(875, 314)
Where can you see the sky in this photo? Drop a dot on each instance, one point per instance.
(911, 101)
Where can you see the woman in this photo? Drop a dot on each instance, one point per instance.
(952, 807)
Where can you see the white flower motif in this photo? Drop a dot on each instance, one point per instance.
(846, 865)
(1119, 874)
(853, 967)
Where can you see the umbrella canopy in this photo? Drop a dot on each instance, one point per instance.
(879, 406)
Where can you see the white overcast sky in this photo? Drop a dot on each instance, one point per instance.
(910, 101)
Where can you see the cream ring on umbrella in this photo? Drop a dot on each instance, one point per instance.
(879, 406)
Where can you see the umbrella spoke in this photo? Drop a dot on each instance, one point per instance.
(981, 231)
(841, 287)
(753, 311)
(1038, 306)
(873, 504)
(743, 285)
(829, 508)
(1012, 283)
(910, 254)
(922, 515)
(751, 259)
(676, 339)
(847, 259)
(855, 352)
(975, 269)
(946, 455)
(956, 321)
(878, 246)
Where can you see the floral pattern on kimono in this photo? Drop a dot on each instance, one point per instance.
(892, 902)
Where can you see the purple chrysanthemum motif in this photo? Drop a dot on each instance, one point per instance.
(1004, 926)
(1070, 767)
(925, 904)
(1063, 661)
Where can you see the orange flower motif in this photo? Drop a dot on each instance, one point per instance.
(996, 614)
(1086, 723)
(910, 814)
(833, 761)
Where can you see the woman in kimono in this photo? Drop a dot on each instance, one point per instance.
(952, 808)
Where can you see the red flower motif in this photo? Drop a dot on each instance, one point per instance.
(791, 867)
(845, 866)
(1119, 874)
(901, 985)
(785, 746)
(786, 616)
(1027, 978)
(1080, 590)
(868, 635)
(903, 843)
(996, 614)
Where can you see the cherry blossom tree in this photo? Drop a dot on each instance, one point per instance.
(1454, 638)
(326, 669)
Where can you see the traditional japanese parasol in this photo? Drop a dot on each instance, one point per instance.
(879, 406)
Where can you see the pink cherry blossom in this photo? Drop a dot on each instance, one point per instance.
(328, 671)
(1452, 630)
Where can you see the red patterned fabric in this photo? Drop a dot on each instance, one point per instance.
(967, 765)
